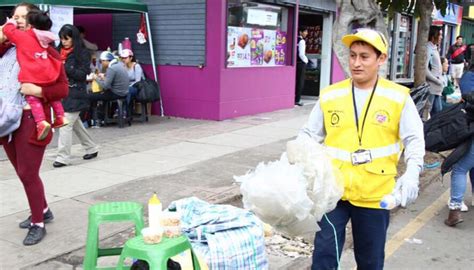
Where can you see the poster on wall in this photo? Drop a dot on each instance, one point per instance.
(269, 40)
(253, 47)
(238, 47)
(314, 40)
(60, 16)
(256, 47)
(280, 48)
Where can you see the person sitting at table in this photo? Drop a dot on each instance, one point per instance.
(135, 72)
(114, 82)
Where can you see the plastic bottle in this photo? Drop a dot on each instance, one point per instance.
(127, 44)
(390, 201)
(154, 211)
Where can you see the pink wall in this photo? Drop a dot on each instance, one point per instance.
(216, 92)
(337, 71)
(95, 34)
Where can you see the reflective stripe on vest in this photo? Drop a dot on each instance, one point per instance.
(375, 153)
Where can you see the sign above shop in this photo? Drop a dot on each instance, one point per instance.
(262, 17)
(453, 15)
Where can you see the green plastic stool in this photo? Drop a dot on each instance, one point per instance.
(109, 212)
(156, 255)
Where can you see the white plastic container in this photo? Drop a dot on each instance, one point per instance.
(154, 211)
(152, 235)
(390, 201)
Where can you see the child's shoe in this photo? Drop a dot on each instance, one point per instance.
(42, 130)
(60, 121)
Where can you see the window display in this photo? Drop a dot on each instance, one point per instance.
(256, 34)
(403, 48)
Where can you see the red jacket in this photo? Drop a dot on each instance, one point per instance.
(36, 65)
(54, 92)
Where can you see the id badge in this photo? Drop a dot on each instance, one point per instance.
(361, 156)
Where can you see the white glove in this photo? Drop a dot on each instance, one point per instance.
(407, 185)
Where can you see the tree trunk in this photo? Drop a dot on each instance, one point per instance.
(355, 14)
(425, 7)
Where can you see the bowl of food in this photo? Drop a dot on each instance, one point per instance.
(152, 235)
(170, 219)
(172, 231)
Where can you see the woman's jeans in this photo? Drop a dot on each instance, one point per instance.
(437, 104)
(459, 178)
(132, 92)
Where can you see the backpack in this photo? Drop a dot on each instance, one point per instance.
(11, 109)
(449, 128)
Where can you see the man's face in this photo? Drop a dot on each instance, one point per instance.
(304, 33)
(459, 41)
(20, 17)
(439, 37)
(105, 63)
(364, 63)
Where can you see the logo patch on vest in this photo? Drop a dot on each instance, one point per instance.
(335, 117)
(381, 117)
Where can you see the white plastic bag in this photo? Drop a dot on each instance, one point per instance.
(276, 193)
(292, 193)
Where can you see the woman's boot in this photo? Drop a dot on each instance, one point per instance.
(454, 218)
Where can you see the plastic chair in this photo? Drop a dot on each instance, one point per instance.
(109, 212)
(156, 255)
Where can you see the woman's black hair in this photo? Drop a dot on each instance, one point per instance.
(39, 20)
(70, 31)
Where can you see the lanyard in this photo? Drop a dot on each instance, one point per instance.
(366, 111)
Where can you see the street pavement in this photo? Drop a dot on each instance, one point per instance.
(179, 158)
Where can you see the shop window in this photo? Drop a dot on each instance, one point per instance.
(403, 47)
(256, 34)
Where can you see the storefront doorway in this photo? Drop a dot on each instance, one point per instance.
(314, 46)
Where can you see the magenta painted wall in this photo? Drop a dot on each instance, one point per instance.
(216, 92)
(95, 34)
(337, 71)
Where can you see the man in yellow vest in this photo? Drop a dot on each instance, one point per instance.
(365, 122)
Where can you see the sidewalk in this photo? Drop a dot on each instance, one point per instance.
(175, 157)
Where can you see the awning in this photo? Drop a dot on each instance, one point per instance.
(109, 5)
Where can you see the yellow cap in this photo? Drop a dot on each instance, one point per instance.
(371, 36)
(154, 199)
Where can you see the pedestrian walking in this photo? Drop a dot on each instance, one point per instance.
(23, 149)
(364, 121)
(301, 63)
(36, 66)
(76, 59)
(456, 55)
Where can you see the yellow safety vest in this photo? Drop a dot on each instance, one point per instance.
(364, 184)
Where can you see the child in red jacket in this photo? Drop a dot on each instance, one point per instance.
(36, 65)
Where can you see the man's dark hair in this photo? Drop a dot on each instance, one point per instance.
(361, 42)
(302, 29)
(39, 20)
(434, 32)
(459, 37)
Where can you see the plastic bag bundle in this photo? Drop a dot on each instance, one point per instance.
(276, 192)
(325, 185)
(292, 193)
(420, 96)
